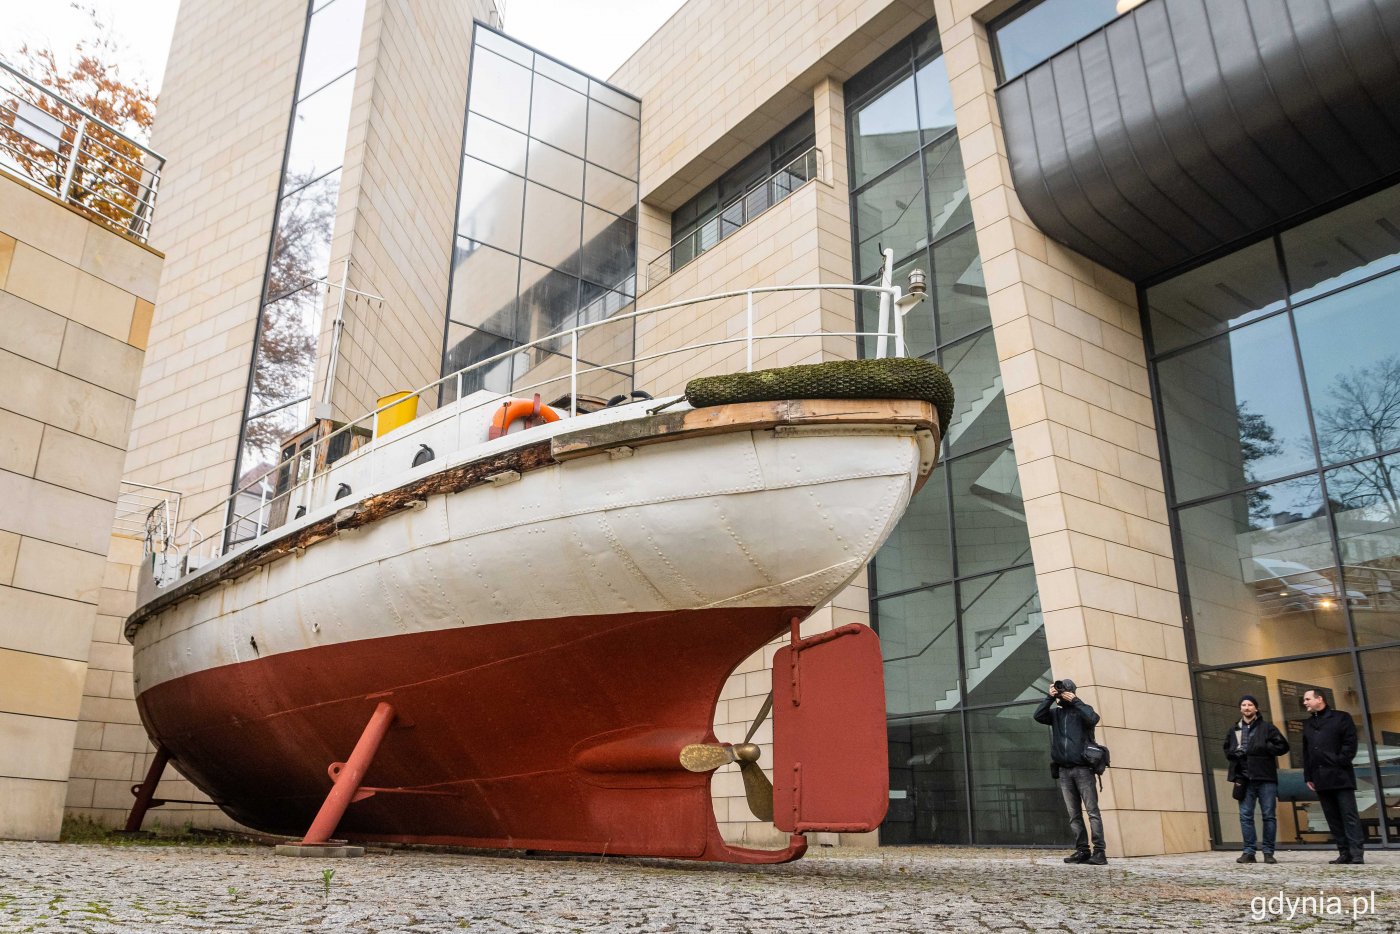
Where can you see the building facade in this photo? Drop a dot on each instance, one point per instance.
(77, 287)
(1159, 261)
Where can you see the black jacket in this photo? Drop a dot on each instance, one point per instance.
(1329, 743)
(1071, 726)
(1260, 760)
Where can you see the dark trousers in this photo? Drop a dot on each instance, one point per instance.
(1339, 807)
(1266, 793)
(1078, 789)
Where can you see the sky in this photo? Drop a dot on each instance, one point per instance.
(595, 36)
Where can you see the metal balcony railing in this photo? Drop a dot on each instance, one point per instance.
(88, 163)
(772, 190)
(147, 512)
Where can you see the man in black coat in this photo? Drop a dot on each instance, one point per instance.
(1071, 723)
(1253, 746)
(1329, 743)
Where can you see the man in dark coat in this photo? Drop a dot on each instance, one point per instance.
(1329, 743)
(1071, 723)
(1253, 747)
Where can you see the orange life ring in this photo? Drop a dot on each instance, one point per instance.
(512, 409)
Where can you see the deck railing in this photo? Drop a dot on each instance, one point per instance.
(263, 504)
(50, 141)
(771, 191)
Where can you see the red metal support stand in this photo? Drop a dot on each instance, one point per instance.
(147, 790)
(349, 778)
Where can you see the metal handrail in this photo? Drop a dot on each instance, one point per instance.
(225, 538)
(768, 193)
(67, 153)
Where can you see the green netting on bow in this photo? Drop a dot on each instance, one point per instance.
(894, 378)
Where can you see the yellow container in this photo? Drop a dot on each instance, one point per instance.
(402, 409)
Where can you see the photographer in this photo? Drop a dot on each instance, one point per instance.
(1071, 723)
(1253, 746)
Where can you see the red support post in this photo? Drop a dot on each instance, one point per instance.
(347, 782)
(147, 790)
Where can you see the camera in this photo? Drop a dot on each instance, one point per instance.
(1059, 687)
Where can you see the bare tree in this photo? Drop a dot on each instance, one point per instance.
(1363, 420)
(285, 360)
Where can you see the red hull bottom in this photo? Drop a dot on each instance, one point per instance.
(558, 734)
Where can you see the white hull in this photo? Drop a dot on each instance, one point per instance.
(744, 519)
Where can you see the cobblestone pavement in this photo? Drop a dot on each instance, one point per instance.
(96, 888)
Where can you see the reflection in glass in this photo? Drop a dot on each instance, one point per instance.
(302, 247)
(612, 141)
(548, 301)
(260, 452)
(558, 170)
(552, 228)
(286, 353)
(1240, 287)
(959, 291)
(609, 191)
(1044, 29)
(491, 199)
(500, 89)
(521, 245)
(1353, 385)
(989, 518)
(496, 144)
(332, 44)
(928, 782)
(484, 285)
(318, 131)
(919, 641)
(1261, 574)
(1381, 669)
(466, 346)
(919, 551)
(558, 115)
(884, 131)
(1234, 411)
(980, 416)
(1279, 689)
(935, 99)
(1004, 650)
(1345, 246)
(1014, 800)
(1365, 501)
(890, 213)
(949, 206)
(609, 243)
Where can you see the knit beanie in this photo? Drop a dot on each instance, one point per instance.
(1250, 698)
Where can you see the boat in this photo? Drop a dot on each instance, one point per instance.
(506, 624)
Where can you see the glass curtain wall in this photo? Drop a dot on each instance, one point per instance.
(1277, 370)
(289, 321)
(546, 225)
(953, 591)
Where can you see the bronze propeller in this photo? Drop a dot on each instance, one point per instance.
(706, 757)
